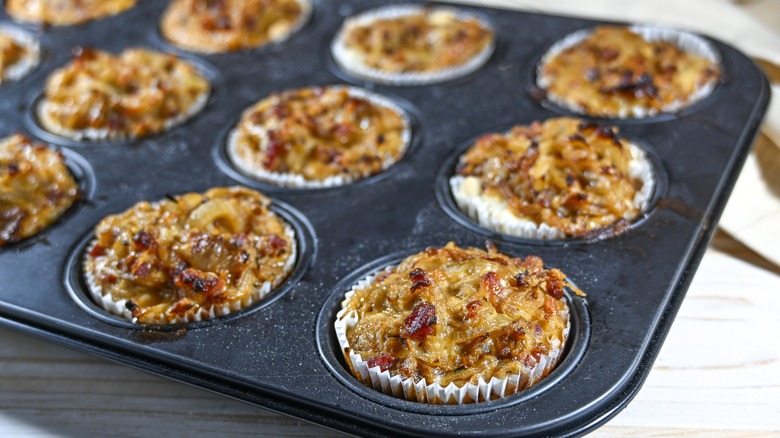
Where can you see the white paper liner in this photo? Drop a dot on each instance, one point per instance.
(117, 307)
(306, 10)
(297, 181)
(686, 41)
(103, 134)
(434, 393)
(494, 213)
(27, 63)
(351, 60)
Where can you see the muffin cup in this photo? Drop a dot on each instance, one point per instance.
(118, 307)
(297, 181)
(351, 61)
(25, 65)
(434, 393)
(494, 214)
(686, 41)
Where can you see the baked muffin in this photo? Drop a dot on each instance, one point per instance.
(101, 96)
(226, 25)
(20, 52)
(319, 137)
(36, 188)
(452, 325)
(190, 257)
(561, 178)
(615, 71)
(409, 44)
(64, 12)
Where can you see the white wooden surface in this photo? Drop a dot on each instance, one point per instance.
(718, 374)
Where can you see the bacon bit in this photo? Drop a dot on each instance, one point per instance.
(141, 270)
(384, 361)
(491, 288)
(578, 137)
(276, 242)
(115, 124)
(532, 263)
(575, 200)
(380, 139)
(97, 251)
(181, 306)
(13, 169)
(555, 287)
(143, 240)
(199, 281)
(419, 278)
(132, 307)
(522, 279)
(108, 279)
(273, 151)
(472, 309)
(609, 54)
(420, 323)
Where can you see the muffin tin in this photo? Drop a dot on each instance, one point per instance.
(282, 354)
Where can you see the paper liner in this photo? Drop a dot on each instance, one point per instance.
(297, 181)
(434, 393)
(117, 307)
(494, 213)
(104, 134)
(686, 41)
(306, 10)
(351, 61)
(27, 63)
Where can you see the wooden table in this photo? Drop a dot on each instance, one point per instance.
(718, 374)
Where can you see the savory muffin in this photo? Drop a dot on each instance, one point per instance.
(613, 71)
(319, 137)
(101, 96)
(64, 12)
(36, 188)
(20, 52)
(407, 44)
(190, 257)
(226, 25)
(561, 178)
(448, 319)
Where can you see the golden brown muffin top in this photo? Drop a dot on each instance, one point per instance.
(453, 315)
(614, 70)
(429, 41)
(11, 52)
(184, 254)
(36, 188)
(565, 172)
(65, 12)
(136, 93)
(321, 132)
(226, 25)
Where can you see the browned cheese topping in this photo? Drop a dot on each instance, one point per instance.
(11, 52)
(36, 188)
(567, 173)
(136, 93)
(226, 25)
(65, 12)
(455, 315)
(615, 69)
(320, 133)
(178, 255)
(425, 42)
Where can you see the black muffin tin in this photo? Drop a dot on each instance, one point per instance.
(282, 354)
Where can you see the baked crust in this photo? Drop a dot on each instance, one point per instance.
(220, 26)
(36, 188)
(574, 176)
(189, 257)
(65, 12)
(101, 96)
(321, 136)
(616, 71)
(457, 316)
(405, 44)
(19, 53)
